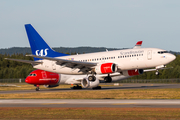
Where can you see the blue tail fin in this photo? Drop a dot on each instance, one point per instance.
(38, 46)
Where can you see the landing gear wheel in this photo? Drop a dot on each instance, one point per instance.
(37, 89)
(157, 73)
(108, 79)
(77, 87)
(91, 78)
(96, 88)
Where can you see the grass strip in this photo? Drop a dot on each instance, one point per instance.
(90, 113)
(173, 93)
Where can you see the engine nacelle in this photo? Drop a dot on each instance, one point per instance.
(50, 86)
(89, 84)
(106, 68)
(133, 72)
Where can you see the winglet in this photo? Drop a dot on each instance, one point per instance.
(138, 45)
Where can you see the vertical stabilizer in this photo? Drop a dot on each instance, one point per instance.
(38, 46)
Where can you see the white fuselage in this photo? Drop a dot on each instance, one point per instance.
(76, 79)
(127, 59)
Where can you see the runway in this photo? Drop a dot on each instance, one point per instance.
(120, 87)
(89, 103)
(92, 102)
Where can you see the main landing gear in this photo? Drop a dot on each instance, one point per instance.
(37, 87)
(92, 78)
(77, 87)
(96, 88)
(108, 79)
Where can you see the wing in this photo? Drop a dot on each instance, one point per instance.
(24, 61)
(83, 66)
(138, 45)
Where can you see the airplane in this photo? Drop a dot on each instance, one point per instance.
(50, 80)
(127, 62)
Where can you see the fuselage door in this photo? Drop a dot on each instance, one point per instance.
(149, 54)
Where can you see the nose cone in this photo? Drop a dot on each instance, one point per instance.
(171, 57)
(28, 80)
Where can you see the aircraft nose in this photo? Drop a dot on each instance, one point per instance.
(171, 57)
(28, 80)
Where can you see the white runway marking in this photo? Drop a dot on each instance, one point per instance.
(87, 101)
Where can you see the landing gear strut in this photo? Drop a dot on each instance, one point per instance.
(37, 88)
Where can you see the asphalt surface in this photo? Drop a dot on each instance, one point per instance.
(121, 86)
(57, 103)
(93, 102)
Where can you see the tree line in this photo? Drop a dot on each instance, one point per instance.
(13, 69)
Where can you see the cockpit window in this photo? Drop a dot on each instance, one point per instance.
(32, 74)
(161, 52)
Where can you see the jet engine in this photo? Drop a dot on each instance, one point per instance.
(50, 86)
(106, 68)
(132, 72)
(89, 84)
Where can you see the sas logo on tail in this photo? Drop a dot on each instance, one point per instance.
(42, 52)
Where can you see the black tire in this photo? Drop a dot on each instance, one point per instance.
(96, 88)
(37, 89)
(91, 78)
(108, 79)
(76, 87)
(157, 73)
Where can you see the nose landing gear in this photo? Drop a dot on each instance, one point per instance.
(157, 72)
(37, 88)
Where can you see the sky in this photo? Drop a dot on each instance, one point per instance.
(95, 23)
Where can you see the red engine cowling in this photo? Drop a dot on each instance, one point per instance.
(106, 68)
(133, 72)
(41, 77)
